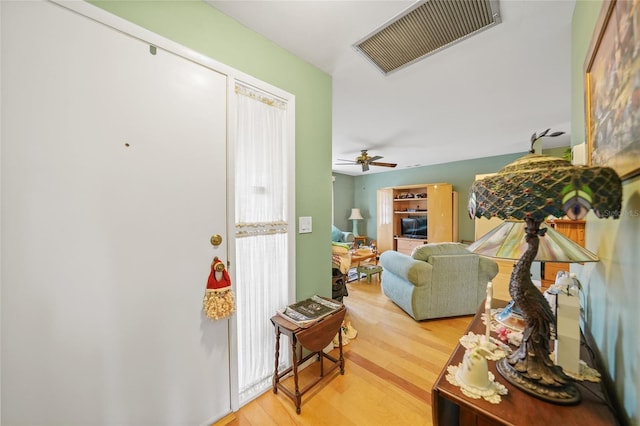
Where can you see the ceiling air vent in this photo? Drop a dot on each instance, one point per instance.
(426, 28)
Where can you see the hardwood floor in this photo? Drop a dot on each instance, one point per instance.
(390, 368)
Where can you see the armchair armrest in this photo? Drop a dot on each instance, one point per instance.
(417, 272)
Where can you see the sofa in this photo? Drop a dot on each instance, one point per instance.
(438, 280)
(339, 236)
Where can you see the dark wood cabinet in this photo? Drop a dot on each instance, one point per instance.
(451, 407)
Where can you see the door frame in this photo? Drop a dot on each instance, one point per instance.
(101, 16)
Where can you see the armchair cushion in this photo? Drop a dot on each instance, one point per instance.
(425, 251)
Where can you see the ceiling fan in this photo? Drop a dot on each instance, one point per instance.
(365, 160)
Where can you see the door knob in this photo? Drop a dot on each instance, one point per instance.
(216, 240)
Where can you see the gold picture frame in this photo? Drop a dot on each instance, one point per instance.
(612, 89)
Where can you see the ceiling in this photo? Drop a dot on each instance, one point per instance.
(481, 97)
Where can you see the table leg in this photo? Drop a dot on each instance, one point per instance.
(341, 358)
(275, 371)
(295, 373)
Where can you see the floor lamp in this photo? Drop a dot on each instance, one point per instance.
(530, 189)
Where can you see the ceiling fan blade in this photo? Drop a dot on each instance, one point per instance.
(365, 161)
(376, 163)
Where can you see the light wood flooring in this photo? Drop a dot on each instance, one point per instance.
(390, 368)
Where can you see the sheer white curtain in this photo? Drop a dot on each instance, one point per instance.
(261, 203)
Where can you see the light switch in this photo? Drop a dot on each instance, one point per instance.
(304, 224)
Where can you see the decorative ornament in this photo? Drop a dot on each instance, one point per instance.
(218, 299)
(473, 375)
(348, 333)
(586, 373)
(503, 334)
(494, 349)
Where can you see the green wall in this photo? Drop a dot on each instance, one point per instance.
(343, 202)
(204, 29)
(460, 174)
(611, 293)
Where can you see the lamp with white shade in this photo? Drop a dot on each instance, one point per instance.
(355, 217)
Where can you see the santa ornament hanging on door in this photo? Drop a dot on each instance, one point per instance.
(218, 300)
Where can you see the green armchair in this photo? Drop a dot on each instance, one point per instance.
(437, 280)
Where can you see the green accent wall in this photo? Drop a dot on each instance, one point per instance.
(343, 202)
(201, 27)
(460, 174)
(611, 294)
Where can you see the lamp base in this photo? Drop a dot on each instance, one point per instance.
(567, 394)
(355, 228)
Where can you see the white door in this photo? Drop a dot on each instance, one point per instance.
(113, 181)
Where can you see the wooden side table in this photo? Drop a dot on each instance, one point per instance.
(451, 407)
(357, 259)
(362, 239)
(314, 338)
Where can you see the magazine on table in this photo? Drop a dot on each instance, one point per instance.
(309, 311)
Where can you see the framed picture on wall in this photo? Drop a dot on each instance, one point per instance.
(612, 89)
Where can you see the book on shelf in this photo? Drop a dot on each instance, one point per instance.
(309, 311)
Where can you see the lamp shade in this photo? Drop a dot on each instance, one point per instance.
(355, 215)
(507, 241)
(536, 186)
